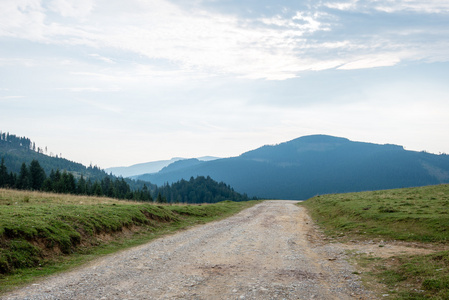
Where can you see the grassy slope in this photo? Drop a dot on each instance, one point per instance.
(42, 233)
(413, 214)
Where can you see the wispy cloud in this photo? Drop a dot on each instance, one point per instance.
(11, 97)
(102, 58)
(89, 89)
(374, 61)
(74, 9)
(274, 47)
(429, 6)
(351, 5)
(391, 6)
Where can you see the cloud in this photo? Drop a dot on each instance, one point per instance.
(102, 58)
(201, 41)
(22, 18)
(373, 61)
(301, 22)
(75, 9)
(89, 89)
(342, 5)
(429, 6)
(273, 47)
(392, 6)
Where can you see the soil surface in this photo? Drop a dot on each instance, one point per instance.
(269, 251)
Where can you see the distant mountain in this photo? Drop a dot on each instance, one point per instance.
(137, 169)
(312, 165)
(149, 167)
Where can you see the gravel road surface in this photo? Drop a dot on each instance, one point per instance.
(269, 251)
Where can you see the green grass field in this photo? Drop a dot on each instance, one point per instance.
(419, 215)
(414, 214)
(43, 233)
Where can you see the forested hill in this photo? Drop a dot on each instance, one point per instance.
(317, 164)
(17, 150)
(199, 190)
(25, 167)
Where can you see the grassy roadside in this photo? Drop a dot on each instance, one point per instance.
(42, 233)
(415, 215)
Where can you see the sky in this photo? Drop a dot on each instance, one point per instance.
(115, 83)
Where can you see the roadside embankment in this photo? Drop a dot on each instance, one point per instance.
(42, 233)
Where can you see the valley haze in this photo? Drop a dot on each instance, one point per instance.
(148, 167)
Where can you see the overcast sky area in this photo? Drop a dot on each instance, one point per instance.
(115, 83)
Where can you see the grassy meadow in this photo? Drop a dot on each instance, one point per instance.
(43, 233)
(416, 215)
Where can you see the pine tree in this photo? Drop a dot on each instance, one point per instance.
(159, 198)
(68, 183)
(57, 182)
(81, 188)
(3, 174)
(12, 180)
(47, 185)
(24, 180)
(96, 188)
(37, 175)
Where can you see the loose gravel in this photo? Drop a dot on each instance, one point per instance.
(269, 251)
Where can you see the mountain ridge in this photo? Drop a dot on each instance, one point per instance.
(317, 164)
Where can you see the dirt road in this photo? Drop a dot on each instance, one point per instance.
(269, 251)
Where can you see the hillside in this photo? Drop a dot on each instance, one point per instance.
(76, 179)
(317, 164)
(17, 150)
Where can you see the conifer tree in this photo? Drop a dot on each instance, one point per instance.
(3, 174)
(68, 183)
(96, 189)
(81, 188)
(37, 175)
(24, 180)
(159, 198)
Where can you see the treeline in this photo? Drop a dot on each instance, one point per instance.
(20, 142)
(198, 190)
(33, 177)
(18, 150)
(17, 141)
